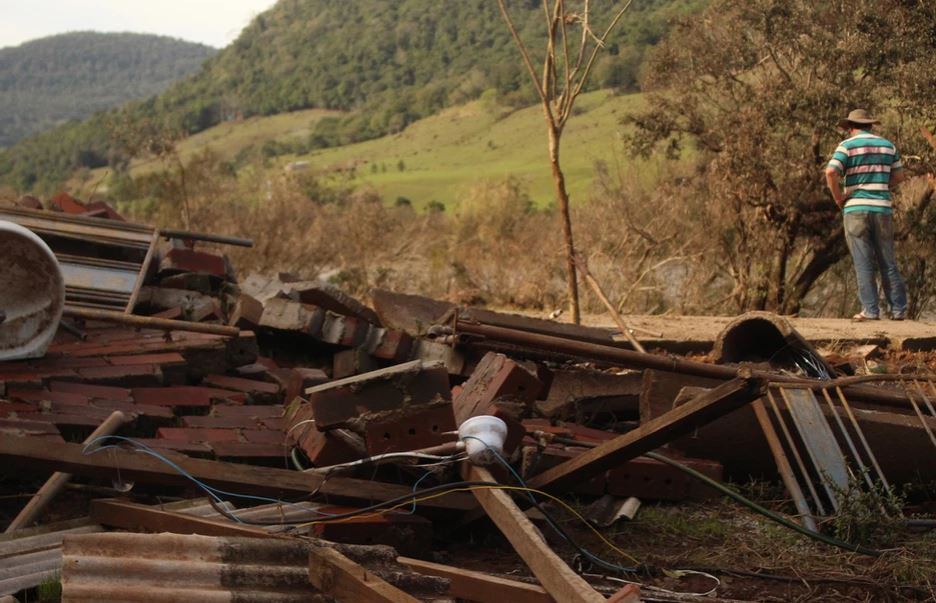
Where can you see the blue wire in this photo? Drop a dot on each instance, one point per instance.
(215, 493)
(591, 556)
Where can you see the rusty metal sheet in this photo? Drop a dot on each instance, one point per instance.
(30, 556)
(172, 567)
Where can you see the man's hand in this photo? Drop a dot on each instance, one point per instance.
(833, 181)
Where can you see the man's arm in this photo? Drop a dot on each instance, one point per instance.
(834, 182)
(896, 177)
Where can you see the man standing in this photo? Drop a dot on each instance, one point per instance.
(871, 166)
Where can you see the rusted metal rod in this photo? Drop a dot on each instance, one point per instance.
(632, 359)
(49, 490)
(185, 235)
(150, 322)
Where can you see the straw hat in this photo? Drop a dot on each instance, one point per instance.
(858, 116)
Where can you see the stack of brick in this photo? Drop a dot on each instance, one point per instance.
(399, 408)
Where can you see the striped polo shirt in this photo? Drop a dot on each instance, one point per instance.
(866, 161)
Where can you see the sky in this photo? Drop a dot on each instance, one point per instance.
(213, 22)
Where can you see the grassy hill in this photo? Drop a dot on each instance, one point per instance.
(48, 81)
(383, 64)
(441, 156)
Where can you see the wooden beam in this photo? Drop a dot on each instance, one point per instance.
(651, 435)
(136, 517)
(480, 587)
(339, 577)
(557, 578)
(58, 480)
(134, 465)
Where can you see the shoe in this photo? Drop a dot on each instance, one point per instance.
(862, 317)
(901, 316)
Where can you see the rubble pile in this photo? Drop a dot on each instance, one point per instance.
(302, 433)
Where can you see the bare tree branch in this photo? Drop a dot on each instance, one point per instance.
(526, 60)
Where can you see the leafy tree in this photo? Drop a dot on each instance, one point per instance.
(756, 88)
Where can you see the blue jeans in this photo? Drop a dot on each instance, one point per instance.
(870, 237)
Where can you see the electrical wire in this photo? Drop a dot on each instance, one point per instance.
(853, 548)
(213, 493)
(555, 525)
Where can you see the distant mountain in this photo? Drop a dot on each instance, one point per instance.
(388, 63)
(70, 76)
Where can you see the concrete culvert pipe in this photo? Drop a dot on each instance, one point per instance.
(32, 293)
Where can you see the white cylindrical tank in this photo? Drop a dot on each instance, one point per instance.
(32, 293)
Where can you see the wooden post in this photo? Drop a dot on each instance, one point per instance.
(557, 578)
(700, 410)
(58, 480)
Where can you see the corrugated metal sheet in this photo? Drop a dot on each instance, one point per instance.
(29, 557)
(103, 262)
(164, 568)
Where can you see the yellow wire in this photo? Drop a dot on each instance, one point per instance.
(607, 542)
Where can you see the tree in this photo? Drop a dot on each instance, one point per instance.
(567, 63)
(756, 88)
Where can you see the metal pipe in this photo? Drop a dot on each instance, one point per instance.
(185, 235)
(631, 359)
(49, 490)
(150, 322)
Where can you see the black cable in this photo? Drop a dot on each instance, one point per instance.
(853, 548)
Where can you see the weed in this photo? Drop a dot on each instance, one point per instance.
(867, 515)
(50, 589)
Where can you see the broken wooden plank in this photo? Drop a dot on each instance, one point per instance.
(480, 587)
(141, 467)
(553, 573)
(339, 577)
(653, 434)
(136, 517)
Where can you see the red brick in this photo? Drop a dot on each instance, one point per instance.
(8, 408)
(184, 395)
(190, 260)
(40, 426)
(247, 410)
(190, 448)
(142, 375)
(160, 359)
(393, 345)
(44, 394)
(68, 362)
(496, 378)
(274, 423)
(648, 479)
(334, 404)
(239, 384)
(148, 410)
(75, 420)
(184, 434)
(22, 380)
(420, 427)
(92, 391)
(355, 361)
(64, 202)
(265, 436)
(221, 422)
(247, 450)
(502, 388)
